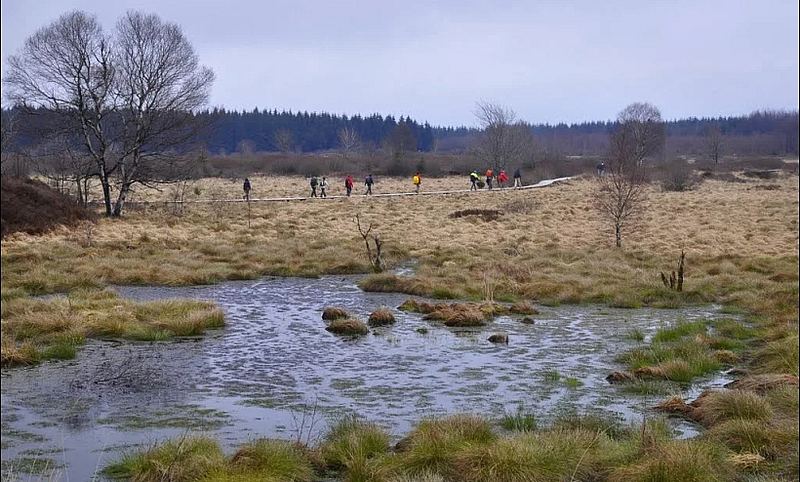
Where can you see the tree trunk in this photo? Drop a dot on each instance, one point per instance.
(86, 182)
(106, 192)
(618, 233)
(123, 195)
(81, 200)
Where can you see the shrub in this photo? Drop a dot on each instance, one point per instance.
(679, 176)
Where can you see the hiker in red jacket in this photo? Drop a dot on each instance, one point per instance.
(502, 178)
(348, 184)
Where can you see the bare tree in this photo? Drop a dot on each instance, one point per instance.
(349, 141)
(67, 69)
(128, 99)
(503, 138)
(714, 142)
(621, 188)
(644, 132)
(160, 85)
(283, 140)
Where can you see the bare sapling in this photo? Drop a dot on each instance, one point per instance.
(375, 258)
(622, 186)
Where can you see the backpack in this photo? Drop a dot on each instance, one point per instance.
(416, 180)
(313, 182)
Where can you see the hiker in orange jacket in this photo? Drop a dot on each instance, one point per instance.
(489, 178)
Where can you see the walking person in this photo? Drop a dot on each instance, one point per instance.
(489, 178)
(417, 180)
(601, 168)
(502, 178)
(368, 182)
(314, 183)
(473, 179)
(246, 187)
(323, 185)
(348, 184)
(517, 178)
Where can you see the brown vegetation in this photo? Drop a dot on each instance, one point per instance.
(32, 207)
(334, 313)
(348, 326)
(381, 316)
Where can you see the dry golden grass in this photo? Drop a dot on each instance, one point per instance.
(557, 250)
(37, 329)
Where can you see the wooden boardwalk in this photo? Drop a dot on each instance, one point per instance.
(538, 185)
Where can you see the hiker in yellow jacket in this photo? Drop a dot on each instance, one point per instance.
(417, 180)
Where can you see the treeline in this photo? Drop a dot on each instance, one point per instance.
(271, 130)
(229, 131)
(765, 132)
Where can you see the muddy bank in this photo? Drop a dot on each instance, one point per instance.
(275, 371)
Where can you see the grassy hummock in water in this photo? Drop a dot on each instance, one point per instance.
(381, 316)
(463, 314)
(349, 326)
(334, 313)
(41, 329)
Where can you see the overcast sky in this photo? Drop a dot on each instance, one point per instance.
(550, 61)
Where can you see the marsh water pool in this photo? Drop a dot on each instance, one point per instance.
(274, 371)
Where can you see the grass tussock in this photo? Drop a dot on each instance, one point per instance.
(334, 313)
(380, 317)
(434, 445)
(185, 459)
(768, 440)
(41, 329)
(553, 455)
(266, 459)
(764, 383)
(523, 308)
(678, 461)
(351, 445)
(717, 406)
(519, 421)
(457, 314)
(348, 327)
